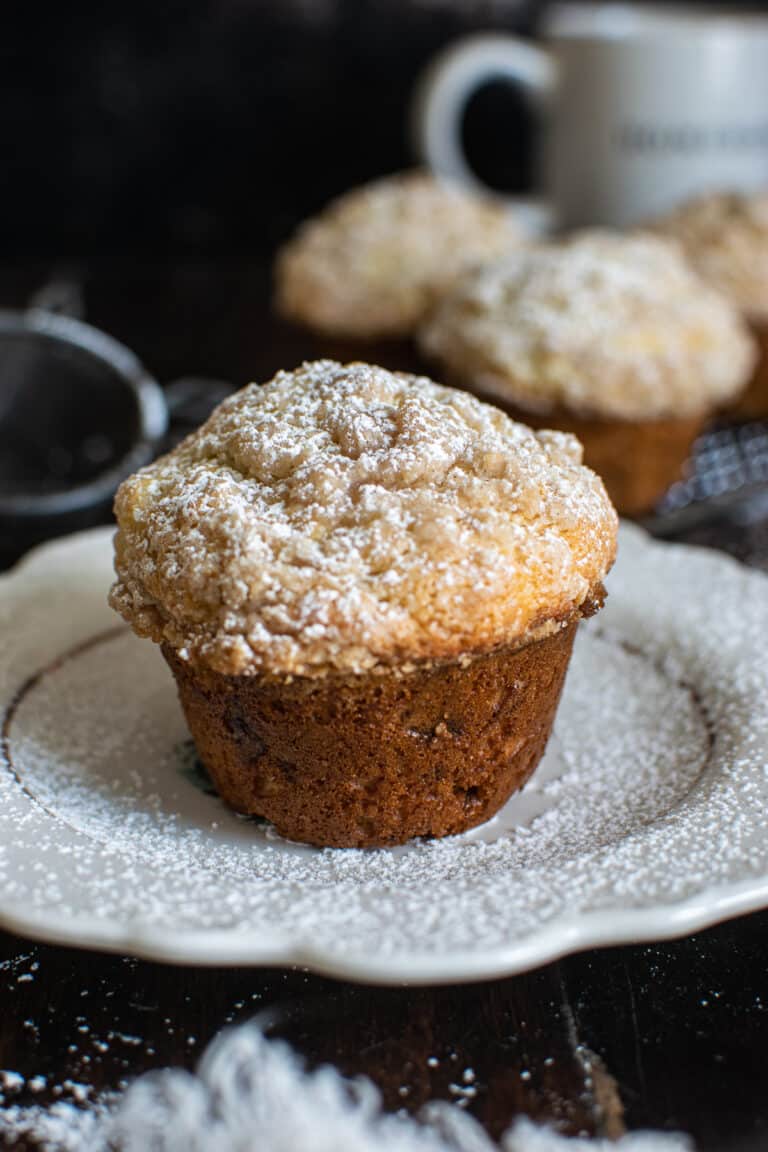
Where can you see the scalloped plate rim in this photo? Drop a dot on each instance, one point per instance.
(225, 947)
(562, 937)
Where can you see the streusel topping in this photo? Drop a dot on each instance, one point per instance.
(345, 517)
(725, 237)
(603, 325)
(375, 260)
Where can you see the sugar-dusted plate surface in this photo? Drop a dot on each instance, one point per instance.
(645, 819)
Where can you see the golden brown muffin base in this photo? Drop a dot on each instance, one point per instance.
(752, 404)
(637, 460)
(376, 759)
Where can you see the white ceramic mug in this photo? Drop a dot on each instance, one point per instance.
(641, 107)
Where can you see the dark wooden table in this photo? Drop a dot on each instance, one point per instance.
(672, 1036)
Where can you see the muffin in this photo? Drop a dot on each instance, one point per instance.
(725, 238)
(362, 275)
(611, 338)
(367, 587)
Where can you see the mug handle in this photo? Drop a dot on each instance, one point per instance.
(443, 92)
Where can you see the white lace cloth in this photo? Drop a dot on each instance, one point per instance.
(251, 1094)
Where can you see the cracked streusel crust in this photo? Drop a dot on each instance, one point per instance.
(345, 518)
(375, 260)
(603, 325)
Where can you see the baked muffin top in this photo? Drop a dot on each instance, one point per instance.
(602, 325)
(725, 237)
(347, 518)
(374, 261)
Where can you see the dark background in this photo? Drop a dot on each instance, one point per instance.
(206, 128)
(201, 128)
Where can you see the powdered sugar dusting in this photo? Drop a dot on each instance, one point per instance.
(113, 771)
(343, 517)
(663, 730)
(604, 324)
(251, 1094)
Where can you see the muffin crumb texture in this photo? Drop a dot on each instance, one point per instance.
(602, 325)
(346, 518)
(374, 261)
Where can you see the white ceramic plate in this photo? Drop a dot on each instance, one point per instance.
(646, 818)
